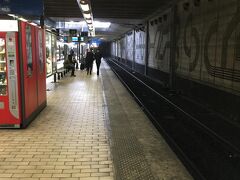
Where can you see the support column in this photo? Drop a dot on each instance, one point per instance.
(134, 49)
(126, 49)
(172, 48)
(147, 48)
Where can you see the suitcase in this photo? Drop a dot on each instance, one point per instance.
(82, 66)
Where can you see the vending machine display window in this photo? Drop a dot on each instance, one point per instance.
(29, 50)
(3, 67)
(54, 52)
(49, 54)
(40, 41)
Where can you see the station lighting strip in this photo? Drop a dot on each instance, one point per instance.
(30, 22)
(22, 19)
(85, 6)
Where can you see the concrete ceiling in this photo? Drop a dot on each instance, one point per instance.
(123, 14)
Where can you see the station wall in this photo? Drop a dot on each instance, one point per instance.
(140, 45)
(208, 43)
(202, 39)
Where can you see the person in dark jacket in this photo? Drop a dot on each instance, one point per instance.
(71, 64)
(89, 61)
(98, 57)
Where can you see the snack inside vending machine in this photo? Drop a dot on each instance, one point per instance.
(22, 73)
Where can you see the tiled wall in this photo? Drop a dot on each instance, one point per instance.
(159, 42)
(207, 42)
(140, 45)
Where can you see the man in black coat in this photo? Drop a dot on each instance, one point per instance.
(89, 61)
(98, 57)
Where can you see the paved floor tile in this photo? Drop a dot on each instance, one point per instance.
(61, 142)
(72, 138)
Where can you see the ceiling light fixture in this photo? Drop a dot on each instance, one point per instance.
(34, 24)
(22, 19)
(99, 24)
(85, 7)
(89, 21)
(13, 15)
(86, 16)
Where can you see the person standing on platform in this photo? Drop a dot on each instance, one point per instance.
(72, 53)
(71, 65)
(89, 61)
(98, 57)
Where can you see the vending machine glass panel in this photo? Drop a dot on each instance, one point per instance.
(3, 67)
(49, 54)
(54, 52)
(29, 50)
(40, 51)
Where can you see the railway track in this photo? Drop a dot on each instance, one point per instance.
(206, 144)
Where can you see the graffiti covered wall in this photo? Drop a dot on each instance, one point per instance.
(159, 42)
(113, 49)
(119, 49)
(207, 38)
(140, 44)
(123, 47)
(208, 42)
(129, 45)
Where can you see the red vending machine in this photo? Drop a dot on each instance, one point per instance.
(22, 73)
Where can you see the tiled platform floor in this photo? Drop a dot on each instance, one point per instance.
(70, 139)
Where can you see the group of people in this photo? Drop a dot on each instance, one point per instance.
(88, 63)
(90, 56)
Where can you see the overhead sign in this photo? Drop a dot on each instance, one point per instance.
(84, 34)
(81, 39)
(72, 32)
(21, 7)
(74, 39)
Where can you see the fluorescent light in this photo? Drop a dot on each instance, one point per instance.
(22, 19)
(94, 44)
(93, 33)
(99, 24)
(89, 21)
(86, 16)
(85, 7)
(13, 15)
(34, 24)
